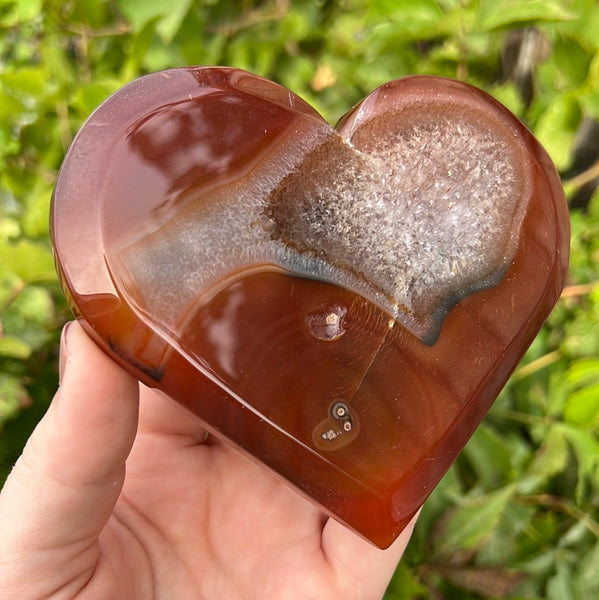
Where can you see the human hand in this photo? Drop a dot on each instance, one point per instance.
(189, 517)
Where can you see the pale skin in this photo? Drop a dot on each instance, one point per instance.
(120, 495)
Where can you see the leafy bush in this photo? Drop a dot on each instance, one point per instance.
(517, 516)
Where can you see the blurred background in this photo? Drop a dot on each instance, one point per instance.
(517, 516)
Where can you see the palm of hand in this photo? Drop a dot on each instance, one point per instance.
(209, 523)
(139, 503)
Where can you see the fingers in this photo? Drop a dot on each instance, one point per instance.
(64, 487)
(160, 414)
(364, 568)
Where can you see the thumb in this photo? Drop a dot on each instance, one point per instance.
(63, 488)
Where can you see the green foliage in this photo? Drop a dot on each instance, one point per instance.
(517, 516)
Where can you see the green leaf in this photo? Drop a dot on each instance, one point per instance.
(30, 316)
(571, 60)
(10, 286)
(37, 209)
(587, 581)
(583, 371)
(556, 129)
(590, 104)
(9, 142)
(581, 337)
(404, 586)
(9, 108)
(495, 14)
(560, 585)
(586, 450)
(552, 456)
(490, 456)
(169, 25)
(582, 406)
(13, 347)
(28, 260)
(474, 520)
(169, 15)
(13, 396)
(19, 11)
(509, 96)
(26, 81)
(410, 16)
(89, 96)
(585, 27)
(589, 97)
(32, 306)
(403, 23)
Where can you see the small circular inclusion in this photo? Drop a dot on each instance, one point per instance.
(326, 323)
(338, 429)
(339, 410)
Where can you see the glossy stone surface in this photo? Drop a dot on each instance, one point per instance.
(343, 304)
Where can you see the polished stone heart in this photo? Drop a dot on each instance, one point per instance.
(343, 304)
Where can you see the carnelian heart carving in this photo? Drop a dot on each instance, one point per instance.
(343, 304)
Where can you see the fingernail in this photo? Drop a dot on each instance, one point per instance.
(64, 350)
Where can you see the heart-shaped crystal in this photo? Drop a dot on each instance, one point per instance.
(343, 304)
